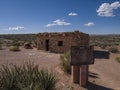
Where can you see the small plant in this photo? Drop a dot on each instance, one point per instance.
(16, 44)
(26, 77)
(14, 48)
(65, 62)
(0, 46)
(103, 46)
(113, 50)
(117, 59)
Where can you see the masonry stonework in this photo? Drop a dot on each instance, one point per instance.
(60, 42)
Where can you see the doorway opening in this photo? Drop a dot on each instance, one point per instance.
(47, 44)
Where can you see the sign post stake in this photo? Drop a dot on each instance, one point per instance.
(75, 74)
(83, 75)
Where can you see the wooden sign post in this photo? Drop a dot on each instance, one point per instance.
(81, 57)
(83, 75)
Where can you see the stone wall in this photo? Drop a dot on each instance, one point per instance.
(61, 42)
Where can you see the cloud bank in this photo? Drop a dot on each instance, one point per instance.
(16, 28)
(107, 9)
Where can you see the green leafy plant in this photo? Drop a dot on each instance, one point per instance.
(26, 77)
(117, 59)
(113, 50)
(14, 48)
(65, 62)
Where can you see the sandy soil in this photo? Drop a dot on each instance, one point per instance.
(103, 75)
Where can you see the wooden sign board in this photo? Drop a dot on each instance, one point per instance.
(82, 55)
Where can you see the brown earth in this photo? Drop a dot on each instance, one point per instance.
(103, 75)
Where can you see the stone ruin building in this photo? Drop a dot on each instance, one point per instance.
(60, 42)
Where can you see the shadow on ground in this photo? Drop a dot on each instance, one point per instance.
(92, 86)
(101, 54)
(93, 75)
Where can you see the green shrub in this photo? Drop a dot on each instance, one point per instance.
(65, 62)
(14, 48)
(26, 77)
(113, 50)
(117, 59)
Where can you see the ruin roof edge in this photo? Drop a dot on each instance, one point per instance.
(62, 32)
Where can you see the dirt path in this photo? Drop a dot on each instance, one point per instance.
(44, 59)
(107, 72)
(103, 75)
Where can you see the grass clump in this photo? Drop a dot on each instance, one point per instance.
(26, 77)
(103, 46)
(65, 62)
(14, 48)
(113, 50)
(0, 46)
(117, 59)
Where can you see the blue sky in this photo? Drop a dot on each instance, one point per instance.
(34, 16)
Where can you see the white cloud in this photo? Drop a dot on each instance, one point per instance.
(50, 25)
(16, 28)
(89, 24)
(107, 9)
(72, 14)
(58, 22)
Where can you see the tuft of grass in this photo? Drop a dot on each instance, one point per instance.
(0, 46)
(113, 50)
(26, 77)
(14, 48)
(117, 59)
(65, 62)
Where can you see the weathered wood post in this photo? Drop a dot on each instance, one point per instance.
(83, 75)
(75, 73)
(81, 57)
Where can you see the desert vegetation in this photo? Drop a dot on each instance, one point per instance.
(17, 39)
(113, 50)
(117, 59)
(14, 48)
(26, 77)
(65, 62)
(105, 40)
(0, 46)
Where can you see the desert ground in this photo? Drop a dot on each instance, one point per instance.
(104, 74)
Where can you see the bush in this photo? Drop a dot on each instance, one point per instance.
(26, 77)
(16, 44)
(117, 59)
(103, 46)
(14, 48)
(113, 50)
(0, 46)
(65, 62)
